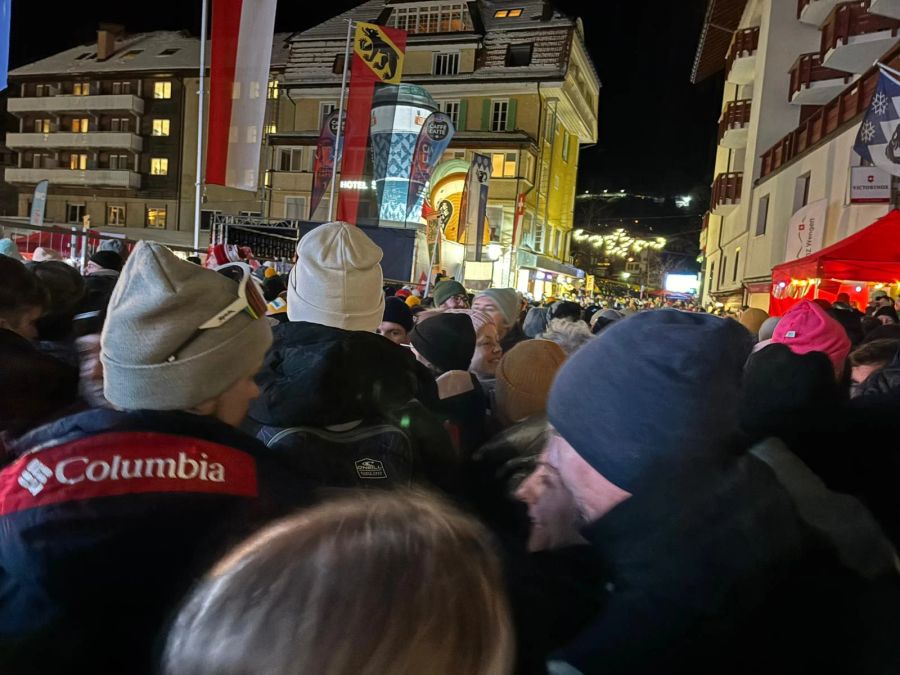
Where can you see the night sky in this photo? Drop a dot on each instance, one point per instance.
(656, 129)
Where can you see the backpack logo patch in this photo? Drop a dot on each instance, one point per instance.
(370, 469)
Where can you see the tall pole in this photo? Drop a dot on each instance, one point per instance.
(198, 186)
(340, 125)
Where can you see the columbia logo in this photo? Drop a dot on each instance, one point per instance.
(35, 476)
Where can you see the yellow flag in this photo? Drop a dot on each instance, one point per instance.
(378, 52)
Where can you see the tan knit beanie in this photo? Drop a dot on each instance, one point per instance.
(524, 376)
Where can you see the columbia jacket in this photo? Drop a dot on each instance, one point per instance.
(107, 518)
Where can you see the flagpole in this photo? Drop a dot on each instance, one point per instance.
(439, 235)
(887, 68)
(198, 187)
(340, 124)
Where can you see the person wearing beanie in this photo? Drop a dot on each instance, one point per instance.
(502, 305)
(806, 327)
(571, 311)
(104, 262)
(734, 514)
(767, 328)
(487, 347)
(444, 342)
(752, 319)
(535, 322)
(397, 321)
(9, 249)
(524, 376)
(450, 294)
(23, 299)
(886, 315)
(413, 301)
(403, 293)
(156, 486)
(337, 279)
(117, 246)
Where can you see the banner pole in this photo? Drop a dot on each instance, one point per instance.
(340, 124)
(437, 240)
(198, 186)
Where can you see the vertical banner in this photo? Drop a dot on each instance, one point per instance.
(327, 155)
(242, 34)
(517, 217)
(473, 205)
(433, 139)
(806, 231)
(39, 203)
(377, 57)
(5, 18)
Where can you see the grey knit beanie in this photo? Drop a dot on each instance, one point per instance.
(157, 306)
(507, 302)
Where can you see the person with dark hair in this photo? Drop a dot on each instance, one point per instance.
(397, 321)
(869, 359)
(22, 299)
(886, 315)
(568, 310)
(109, 515)
(65, 290)
(287, 598)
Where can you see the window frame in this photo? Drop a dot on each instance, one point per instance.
(156, 210)
(161, 164)
(499, 104)
(449, 60)
(304, 201)
(454, 115)
(163, 122)
(118, 208)
(762, 215)
(162, 90)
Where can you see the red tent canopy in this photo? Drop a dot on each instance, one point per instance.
(872, 254)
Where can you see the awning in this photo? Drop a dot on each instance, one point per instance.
(722, 19)
(872, 254)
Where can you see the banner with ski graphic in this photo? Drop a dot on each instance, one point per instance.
(328, 153)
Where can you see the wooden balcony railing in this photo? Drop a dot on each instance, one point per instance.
(744, 43)
(736, 114)
(726, 189)
(827, 119)
(853, 18)
(808, 68)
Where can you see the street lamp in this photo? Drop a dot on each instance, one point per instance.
(494, 251)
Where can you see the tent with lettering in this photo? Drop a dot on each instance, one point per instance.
(869, 256)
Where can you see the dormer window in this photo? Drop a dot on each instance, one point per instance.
(432, 18)
(518, 56)
(508, 13)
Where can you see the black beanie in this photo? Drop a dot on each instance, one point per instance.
(398, 312)
(108, 260)
(446, 340)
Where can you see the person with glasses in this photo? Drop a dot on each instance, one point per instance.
(108, 514)
(450, 294)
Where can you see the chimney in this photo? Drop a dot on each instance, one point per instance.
(106, 39)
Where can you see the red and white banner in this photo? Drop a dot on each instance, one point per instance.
(242, 33)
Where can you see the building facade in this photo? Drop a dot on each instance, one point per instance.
(517, 81)
(113, 127)
(799, 76)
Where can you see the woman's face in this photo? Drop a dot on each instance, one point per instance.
(487, 352)
(486, 305)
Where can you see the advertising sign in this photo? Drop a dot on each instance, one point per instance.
(39, 203)
(806, 231)
(433, 140)
(869, 185)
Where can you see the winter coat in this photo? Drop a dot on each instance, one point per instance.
(107, 519)
(318, 376)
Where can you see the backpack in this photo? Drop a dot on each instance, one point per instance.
(373, 456)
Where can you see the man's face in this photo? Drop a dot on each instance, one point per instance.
(393, 332)
(551, 509)
(459, 301)
(884, 302)
(861, 373)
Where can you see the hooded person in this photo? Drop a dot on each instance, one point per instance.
(330, 380)
(164, 477)
(502, 305)
(450, 294)
(806, 327)
(667, 613)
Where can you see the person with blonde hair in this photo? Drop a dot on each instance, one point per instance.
(388, 583)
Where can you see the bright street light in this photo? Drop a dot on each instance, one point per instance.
(494, 251)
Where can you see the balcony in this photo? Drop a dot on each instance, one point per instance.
(113, 178)
(726, 193)
(94, 140)
(733, 124)
(853, 38)
(815, 11)
(740, 61)
(889, 8)
(77, 104)
(814, 84)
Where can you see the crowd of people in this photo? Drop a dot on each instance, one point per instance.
(221, 468)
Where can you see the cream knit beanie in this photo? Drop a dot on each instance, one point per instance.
(337, 280)
(156, 308)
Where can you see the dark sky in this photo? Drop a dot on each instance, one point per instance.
(656, 129)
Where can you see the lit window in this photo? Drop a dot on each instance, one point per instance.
(448, 18)
(162, 90)
(80, 125)
(516, 12)
(446, 64)
(156, 216)
(271, 129)
(160, 128)
(81, 88)
(42, 126)
(499, 112)
(273, 89)
(503, 165)
(501, 14)
(115, 215)
(78, 162)
(159, 166)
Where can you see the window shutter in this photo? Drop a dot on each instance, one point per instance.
(511, 114)
(463, 114)
(486, 115)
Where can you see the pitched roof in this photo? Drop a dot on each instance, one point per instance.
(722, 18)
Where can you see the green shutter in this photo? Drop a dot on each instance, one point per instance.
(486, 115)
(511, 115)
(463, 115)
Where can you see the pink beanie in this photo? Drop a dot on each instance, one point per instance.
(479, 318)
(807, 328)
